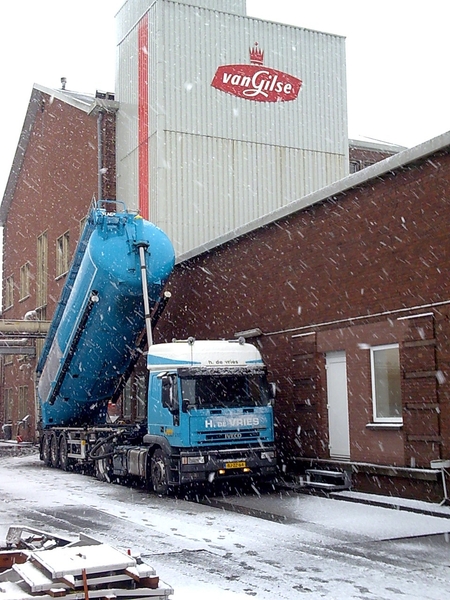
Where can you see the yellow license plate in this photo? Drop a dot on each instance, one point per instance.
(236, 465)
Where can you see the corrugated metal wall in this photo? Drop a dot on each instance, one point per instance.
(217, 161)
(233, 6)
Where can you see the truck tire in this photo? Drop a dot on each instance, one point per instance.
(159, 472)
(104, 466)
(63, 452)
(54, 451)
(45, 450)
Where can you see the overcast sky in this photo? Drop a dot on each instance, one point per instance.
(397, 56)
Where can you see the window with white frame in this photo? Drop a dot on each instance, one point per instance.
(141, 388)
(42, 273)
(24, 281)
(9, 292)
(62, 254)
(386, 388)
(135, 392)
(23, 401)
(9, 405)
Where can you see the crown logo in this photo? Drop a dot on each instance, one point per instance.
(256, 55)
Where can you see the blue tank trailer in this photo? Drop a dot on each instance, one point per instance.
(209, 406)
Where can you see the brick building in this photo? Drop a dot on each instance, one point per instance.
(65, 159)
(364, 153)
(346, 293)
(344, 290)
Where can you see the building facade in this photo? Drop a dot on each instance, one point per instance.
(342, 285)
(347, 297)
(364, 153)
(64, 160)
(224, 118)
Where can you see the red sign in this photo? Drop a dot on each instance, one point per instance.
(257, 82)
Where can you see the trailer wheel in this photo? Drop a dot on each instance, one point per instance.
(159, 472)
(54, 451)
(45, 450)
(63, 452)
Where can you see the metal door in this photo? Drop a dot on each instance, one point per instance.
(338, 422)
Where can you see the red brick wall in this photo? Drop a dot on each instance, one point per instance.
(56, 185)
(377, 248)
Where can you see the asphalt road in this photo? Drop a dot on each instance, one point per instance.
(279, 545)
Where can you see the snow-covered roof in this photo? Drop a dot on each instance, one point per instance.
(378, 170)
(375, 145)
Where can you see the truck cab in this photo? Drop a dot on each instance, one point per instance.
(210, 412)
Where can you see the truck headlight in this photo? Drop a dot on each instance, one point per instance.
(193, 460)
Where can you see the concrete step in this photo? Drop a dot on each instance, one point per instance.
(324, 479)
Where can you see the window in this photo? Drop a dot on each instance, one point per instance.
(134, 397)
(127, 401)
(8, 405)
(141, 389)
(9, 292)
(23, 401)
(41, 273)
(83, 222)
(62, 254)
(210, 389)
(24, 281)
(386, 388)
(354, 166)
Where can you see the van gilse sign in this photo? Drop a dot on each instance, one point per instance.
(257, 82)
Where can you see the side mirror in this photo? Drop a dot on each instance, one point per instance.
(273, 390)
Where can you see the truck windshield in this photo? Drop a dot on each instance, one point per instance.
(225, 390)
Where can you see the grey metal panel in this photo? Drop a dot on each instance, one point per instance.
(316, 120)
(129, 15)
(231, 6)
(127, 95)
(133, 10)
(229, 184)
(127, 121)
(217, 162)
(127, 180)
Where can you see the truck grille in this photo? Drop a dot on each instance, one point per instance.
(226, 436)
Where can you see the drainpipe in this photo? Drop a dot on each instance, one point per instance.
(100, 155)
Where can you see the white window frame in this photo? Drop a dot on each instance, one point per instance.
(376, 418)
(24, 281)
(23, 402)
(42, 271)
(9, 292)
(62, 255)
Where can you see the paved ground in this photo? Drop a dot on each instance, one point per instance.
(277, 545)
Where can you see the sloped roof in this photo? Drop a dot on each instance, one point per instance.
(378, 170)
(89, 104)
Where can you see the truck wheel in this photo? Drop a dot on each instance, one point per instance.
(159, 472)
(63, 453)
(54, 451)
(45, 450)
(104, 466)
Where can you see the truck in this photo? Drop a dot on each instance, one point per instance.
(209, 406)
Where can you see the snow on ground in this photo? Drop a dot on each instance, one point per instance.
(350, 519)
(323, 548)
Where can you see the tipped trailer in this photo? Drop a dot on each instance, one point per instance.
(209, 407)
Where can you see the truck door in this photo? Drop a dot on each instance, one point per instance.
(170, 396)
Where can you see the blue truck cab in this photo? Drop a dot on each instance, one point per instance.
(210, 412)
